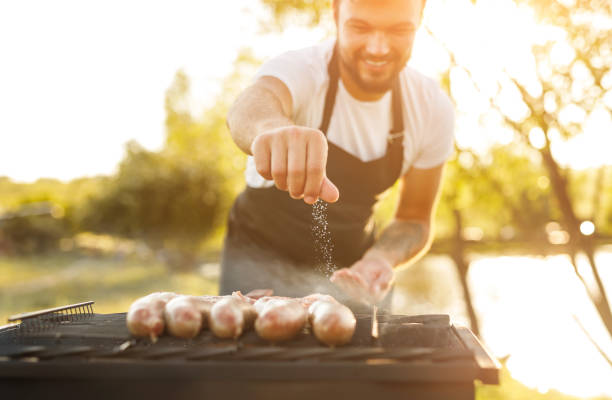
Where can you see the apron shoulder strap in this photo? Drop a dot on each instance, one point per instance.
(330, 98)
(396, 106)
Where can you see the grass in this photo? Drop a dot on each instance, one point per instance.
(35, 282)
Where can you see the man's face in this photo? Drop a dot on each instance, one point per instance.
(375, 39)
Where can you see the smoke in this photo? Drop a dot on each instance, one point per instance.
(250, 267)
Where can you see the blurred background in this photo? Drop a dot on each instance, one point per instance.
(117, 169)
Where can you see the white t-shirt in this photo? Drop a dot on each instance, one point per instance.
(361, 127)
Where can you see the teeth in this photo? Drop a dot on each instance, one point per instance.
(376, 63)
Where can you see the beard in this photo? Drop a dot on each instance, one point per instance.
(372, 83)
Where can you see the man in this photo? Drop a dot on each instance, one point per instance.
(341, 121)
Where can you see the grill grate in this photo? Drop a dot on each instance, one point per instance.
(419, 356)
(402, 338)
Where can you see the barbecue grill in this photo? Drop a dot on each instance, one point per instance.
(75, 353)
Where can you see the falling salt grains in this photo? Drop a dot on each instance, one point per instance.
(322, 238)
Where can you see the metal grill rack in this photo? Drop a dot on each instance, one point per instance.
(51, 317)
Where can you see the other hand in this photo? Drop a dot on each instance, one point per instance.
(368, 280)
(295, 158)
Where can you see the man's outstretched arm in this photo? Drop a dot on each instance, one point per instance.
(294, 157)
(263, 106)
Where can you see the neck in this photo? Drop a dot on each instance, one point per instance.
(354, 89)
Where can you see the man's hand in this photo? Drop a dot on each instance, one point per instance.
(368, 280)
(295, 158)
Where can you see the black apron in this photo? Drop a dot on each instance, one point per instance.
(269, 241)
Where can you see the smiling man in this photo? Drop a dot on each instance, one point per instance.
(340, 121)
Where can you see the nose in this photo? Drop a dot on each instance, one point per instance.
(377, 44)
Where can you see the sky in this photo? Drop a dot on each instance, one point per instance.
(80, 79)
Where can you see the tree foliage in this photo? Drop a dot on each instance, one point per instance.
(175, 198)
(313, 9)
(506, 195)
(159, 197)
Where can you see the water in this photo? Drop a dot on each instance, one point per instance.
(324, 246)
(526, 308)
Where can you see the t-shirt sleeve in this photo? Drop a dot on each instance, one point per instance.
(438, 143)
(296, 70)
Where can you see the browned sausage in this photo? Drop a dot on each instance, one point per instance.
(280, 320)
(226, 319)
(146, 315)
(332, 323)
(186, 315)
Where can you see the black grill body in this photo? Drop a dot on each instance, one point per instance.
(416, 357)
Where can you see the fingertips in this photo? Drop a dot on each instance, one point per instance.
(329, 191)
(314, 181)
(310, 200)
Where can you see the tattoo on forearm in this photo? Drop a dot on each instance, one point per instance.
(401, 240)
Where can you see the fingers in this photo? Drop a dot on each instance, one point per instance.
(315, 166)
(368, 280)
(261, 154)
(278, 162)
(329, 191)
(346, 275)
(295, 158)
(351, 283)
(296, 165)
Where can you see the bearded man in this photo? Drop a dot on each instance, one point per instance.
(340, 121)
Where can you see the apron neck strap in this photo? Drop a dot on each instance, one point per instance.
(330, 97)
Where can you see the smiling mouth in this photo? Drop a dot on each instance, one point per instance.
(375, 63)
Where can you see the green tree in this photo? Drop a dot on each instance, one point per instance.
(170, 201)
(175, 198)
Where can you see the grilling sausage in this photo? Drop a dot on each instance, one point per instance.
(227, 318)
(146, 315)
(332, 323)
(280, 319)
(275, 318)
(283, 324)
(186, 315)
